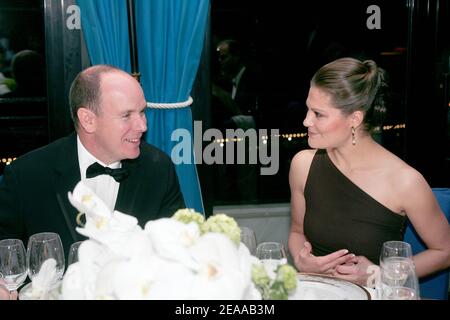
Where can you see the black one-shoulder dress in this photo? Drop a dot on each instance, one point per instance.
(340, 215)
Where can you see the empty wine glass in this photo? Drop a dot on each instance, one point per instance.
(271, 254)
(13, 267)
(41, 247)
(398, 279)
(248, 238)
(73, 252)
(396, 257)
(399, 249)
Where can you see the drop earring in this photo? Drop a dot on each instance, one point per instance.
(353, 136)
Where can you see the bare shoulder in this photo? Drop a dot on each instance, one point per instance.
(300, 167)
(408, 183)
(404, 176)
(302, 161)
(304, 157)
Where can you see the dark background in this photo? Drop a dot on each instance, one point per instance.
(412, 45)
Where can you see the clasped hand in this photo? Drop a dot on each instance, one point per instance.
(355, 270)
(340, 264)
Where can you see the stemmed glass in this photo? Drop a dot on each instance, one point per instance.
(73, 252)
(248, 238)
(398, 249)
(271, 254)
(398, 279)
(41, 247)
(13, 267)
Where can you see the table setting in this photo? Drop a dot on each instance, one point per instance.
(322, 287)
(185, 257)
(178, 258)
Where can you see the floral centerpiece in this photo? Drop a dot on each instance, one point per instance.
(183, 257)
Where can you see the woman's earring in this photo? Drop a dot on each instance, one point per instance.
(353, 136)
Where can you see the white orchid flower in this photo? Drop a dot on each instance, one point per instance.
(104, 286)
(121, 243)
(72, 285)
(116, 222)
(128, 244)
(87, 202)
(168, 259)
(220, 275)
(247, 260)
(170, 239)
(123, 222)
(155, 278)
(174, 281)
(98, 216)
(92, 258)
(119, 233)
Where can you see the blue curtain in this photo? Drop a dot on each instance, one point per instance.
(105, 28)
(170, 40)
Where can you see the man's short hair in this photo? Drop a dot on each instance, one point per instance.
(85, 90)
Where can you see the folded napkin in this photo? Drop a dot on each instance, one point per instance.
(43, 283)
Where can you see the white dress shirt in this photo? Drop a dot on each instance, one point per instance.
(103, 185)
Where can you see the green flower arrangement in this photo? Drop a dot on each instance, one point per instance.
(189, 215)
(223, 224)
(220, 223)
(275, 284)
(275, 288)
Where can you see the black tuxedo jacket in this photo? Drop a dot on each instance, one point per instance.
(33, 192)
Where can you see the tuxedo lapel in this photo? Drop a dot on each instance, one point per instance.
(67, 175)
(129, 188)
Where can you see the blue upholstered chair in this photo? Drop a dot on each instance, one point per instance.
(436, 285)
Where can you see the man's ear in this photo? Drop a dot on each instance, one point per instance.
(357, 118)
(86, 119)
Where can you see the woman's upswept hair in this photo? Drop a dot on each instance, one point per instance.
(355, 85)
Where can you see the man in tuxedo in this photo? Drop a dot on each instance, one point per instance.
(106, 152)
(235, 106)
(236, 85)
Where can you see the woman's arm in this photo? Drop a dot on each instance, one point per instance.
(297, 179)
(299, 247)
(423, 211)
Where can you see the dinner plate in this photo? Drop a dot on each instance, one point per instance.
(322, 287)
(25, 293)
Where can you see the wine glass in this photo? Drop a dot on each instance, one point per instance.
(398, 279)
(395, 256)
(44, 246)
(13, 267)
(271, 254)
(248, 238)
(73, 252)
(395, 249)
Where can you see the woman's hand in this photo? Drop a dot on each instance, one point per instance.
(305, 261)
(357, 270)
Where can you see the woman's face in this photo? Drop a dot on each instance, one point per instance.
(327, 126)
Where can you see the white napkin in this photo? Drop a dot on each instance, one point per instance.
(44, 281)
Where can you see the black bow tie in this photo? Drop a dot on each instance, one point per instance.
(96, 169)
